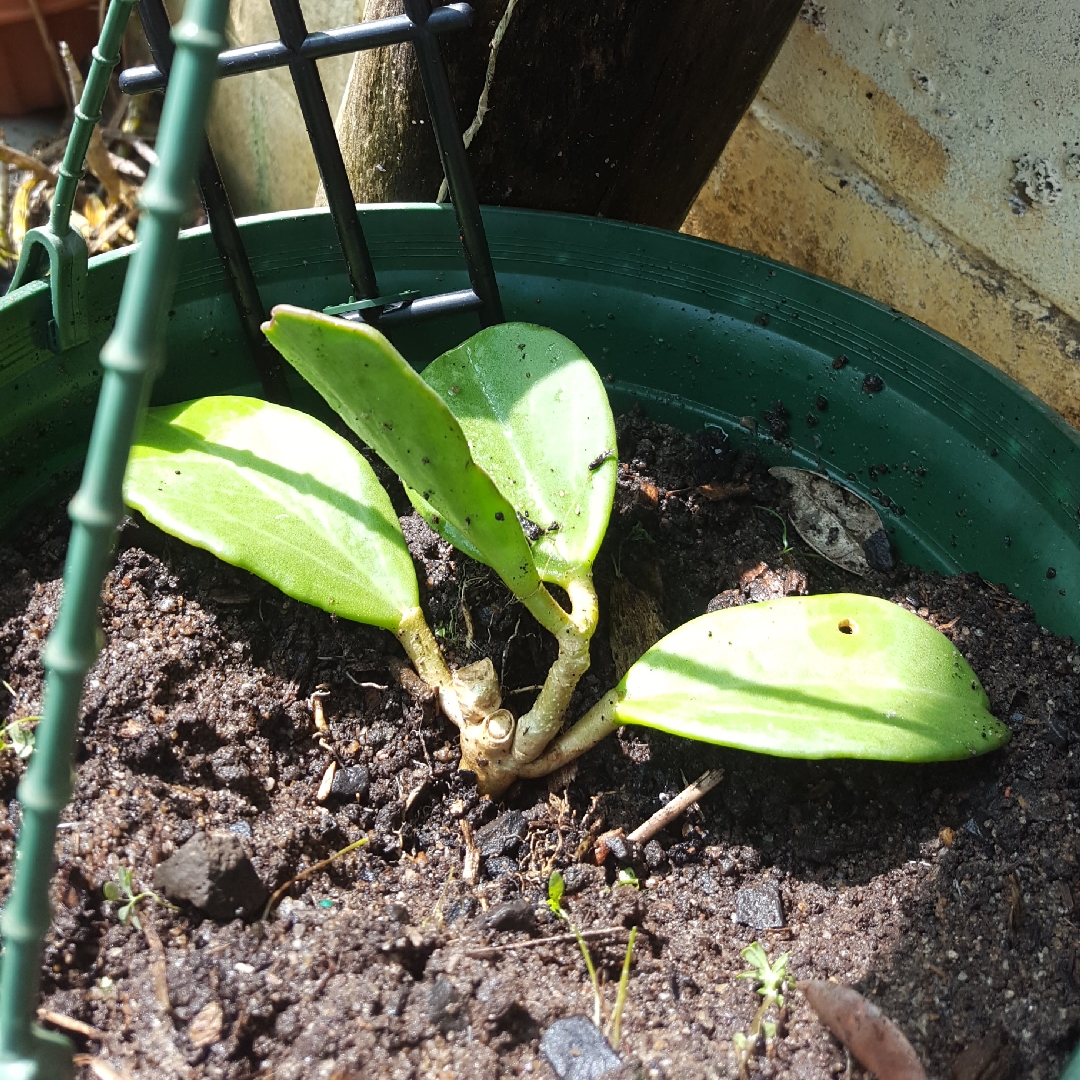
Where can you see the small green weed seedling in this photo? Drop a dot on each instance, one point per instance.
(774, 979)
(613, 1029)
(785, 547)
(18, 736)
(506, 446)
(123, 888)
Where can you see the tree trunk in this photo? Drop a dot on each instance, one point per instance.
(617, 108)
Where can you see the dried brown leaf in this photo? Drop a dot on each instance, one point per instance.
(865, 1030)
(158, 964)
(27, 163)
(835, 522)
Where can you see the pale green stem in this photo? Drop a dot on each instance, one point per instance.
(590, 966)
(596, 724)
(545, 610)
(620, 999)
(422, 648)
(536, 727)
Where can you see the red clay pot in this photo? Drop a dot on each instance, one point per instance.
(27, 81)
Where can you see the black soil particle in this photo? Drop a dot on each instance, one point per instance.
(944, 893)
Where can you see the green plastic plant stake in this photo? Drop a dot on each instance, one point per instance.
(837, 676)
(1072, 1070)
(276, 492)
(539, 424)
(56, 246)
(374, 390)
(130, 359)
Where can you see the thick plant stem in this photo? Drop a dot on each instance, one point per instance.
(539, 724)
(596, 724)
(423, 650)
(546, 611)
(493, 745)
(498, 749)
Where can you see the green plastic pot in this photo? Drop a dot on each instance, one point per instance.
(981, 475)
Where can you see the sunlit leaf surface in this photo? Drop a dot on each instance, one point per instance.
(538, 422)
(375, 391)
(814, 677)
(276, 492)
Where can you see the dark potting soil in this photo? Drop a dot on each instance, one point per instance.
(943, 893)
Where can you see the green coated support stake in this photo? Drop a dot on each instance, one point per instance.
(1072, 1070)
(58, 247)
(130, 360)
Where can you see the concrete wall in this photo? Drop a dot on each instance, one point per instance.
(926, 153)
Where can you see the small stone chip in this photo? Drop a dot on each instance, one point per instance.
(577, 1050)
(351, 783)
(513, 915)
(503, 835)
(446, 1009)
(760, 906)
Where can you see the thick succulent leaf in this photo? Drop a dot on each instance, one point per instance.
(814, 677)
(373, 389)
(538, 422)
(276, 492)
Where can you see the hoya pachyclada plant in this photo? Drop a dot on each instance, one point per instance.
(512, 431)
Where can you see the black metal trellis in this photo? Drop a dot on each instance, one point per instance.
(299, 49)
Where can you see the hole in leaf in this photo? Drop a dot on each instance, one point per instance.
(847, 626)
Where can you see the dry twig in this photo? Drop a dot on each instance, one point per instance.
(470, 872)
(482, 107)
(679, 805)
(556, 939)
(100, 1067)
(69, 1023)
(158, 965)
(112, 230)
(27, 163)
(327, 782)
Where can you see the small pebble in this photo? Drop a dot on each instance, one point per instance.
(445, 1007)
(513, 915)
(759, 906)
(499, 867)
(503, 835)
(580, 876)
(576, 1050)
(655, 856)
(351, 783)
(213, 873)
